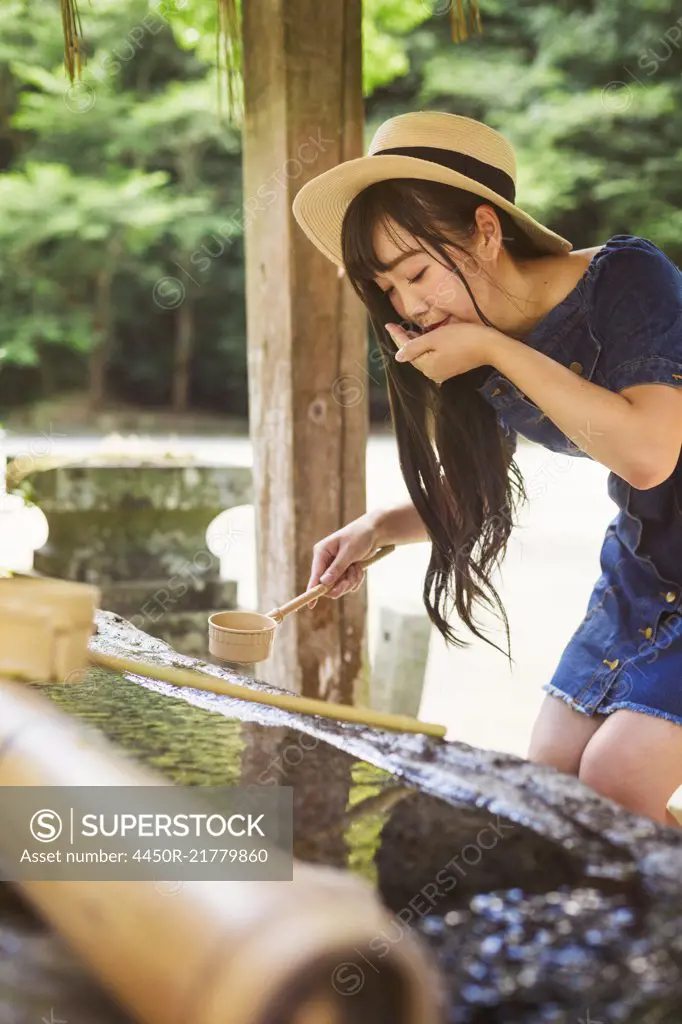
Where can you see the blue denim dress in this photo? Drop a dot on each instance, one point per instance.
(621, 325)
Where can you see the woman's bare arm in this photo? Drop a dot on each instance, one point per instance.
(398, 525)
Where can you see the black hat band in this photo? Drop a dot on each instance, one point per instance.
(492, 177)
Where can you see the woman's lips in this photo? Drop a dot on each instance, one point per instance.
(433, 327)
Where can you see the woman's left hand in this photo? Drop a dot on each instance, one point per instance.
(445, 351)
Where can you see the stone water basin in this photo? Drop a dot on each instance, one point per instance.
(541, 902)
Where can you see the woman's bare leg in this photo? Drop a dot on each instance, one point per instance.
(636, 760)
(561, 734)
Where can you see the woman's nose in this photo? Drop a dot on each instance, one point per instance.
(419, 313)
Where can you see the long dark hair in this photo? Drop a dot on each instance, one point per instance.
(454, 458)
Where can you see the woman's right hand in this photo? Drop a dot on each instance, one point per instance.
(336, 557)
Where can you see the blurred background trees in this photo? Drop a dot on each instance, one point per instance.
(121, 250)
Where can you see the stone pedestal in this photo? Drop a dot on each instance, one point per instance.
(402, 650)
(137, 529)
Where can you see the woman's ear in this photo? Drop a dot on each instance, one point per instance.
(489, 241)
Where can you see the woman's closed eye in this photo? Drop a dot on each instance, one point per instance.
(410, 280)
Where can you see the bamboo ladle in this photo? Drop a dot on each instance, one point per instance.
(248, 637)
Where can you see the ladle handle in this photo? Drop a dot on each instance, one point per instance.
(321, 589)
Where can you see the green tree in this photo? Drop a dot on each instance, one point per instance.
(121, 257)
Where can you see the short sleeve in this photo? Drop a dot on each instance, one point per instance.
(637, 316)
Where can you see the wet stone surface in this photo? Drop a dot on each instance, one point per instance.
(569, 955)
(540, 901)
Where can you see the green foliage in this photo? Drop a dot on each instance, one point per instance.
(122, 194)
(385, 26)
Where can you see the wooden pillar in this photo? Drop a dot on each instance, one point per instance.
(307, 335)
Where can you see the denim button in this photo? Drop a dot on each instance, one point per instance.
(647, 633)
(576, 367)
(671, 596)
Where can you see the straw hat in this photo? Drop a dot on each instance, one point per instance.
(425, 144)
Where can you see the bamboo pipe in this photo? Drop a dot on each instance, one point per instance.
(284, 701)
(216, 952)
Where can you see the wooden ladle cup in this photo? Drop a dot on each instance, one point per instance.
(247, 637)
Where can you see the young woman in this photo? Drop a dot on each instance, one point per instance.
(490, 327)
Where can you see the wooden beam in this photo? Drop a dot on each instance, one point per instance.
(307, 334)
